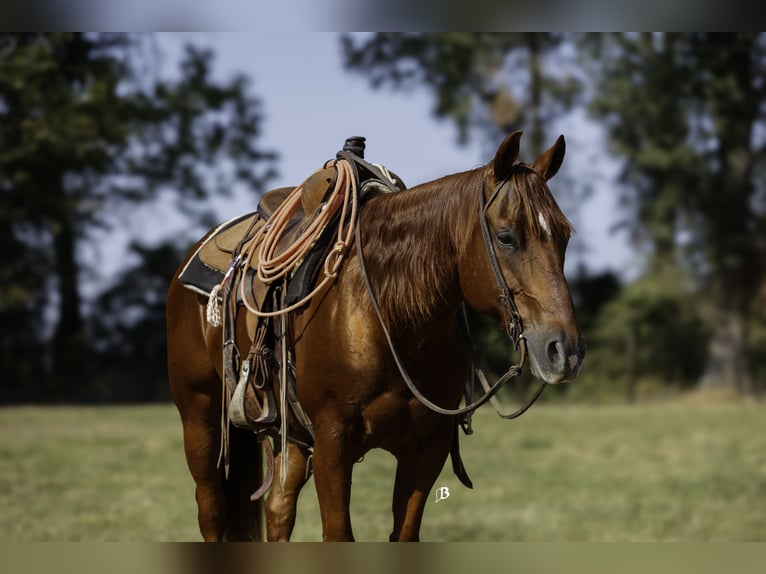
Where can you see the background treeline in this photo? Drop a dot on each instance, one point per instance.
(86, 134)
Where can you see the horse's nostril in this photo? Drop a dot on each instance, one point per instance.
(555, 355)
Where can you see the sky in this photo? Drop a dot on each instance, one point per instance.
(311, 105)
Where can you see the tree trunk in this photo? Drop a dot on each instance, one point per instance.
(68, 345)
(536, 136)
(727, 364)
(631, 372)
(735, 258)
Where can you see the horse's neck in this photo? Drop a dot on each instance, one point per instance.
(412, 242)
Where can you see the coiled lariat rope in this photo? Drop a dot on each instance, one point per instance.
(273, 265)
(262, 252)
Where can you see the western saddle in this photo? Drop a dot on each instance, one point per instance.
(222, 269)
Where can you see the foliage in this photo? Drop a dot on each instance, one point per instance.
(494, 81)
(90, 130)
(129, 340)
(757, 341)
(684, 113)
(86, 133)
(651, 330)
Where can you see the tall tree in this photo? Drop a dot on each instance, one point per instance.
(496, 82)
(128, 331)
(84, 134)
(686, 112)
(483, 82)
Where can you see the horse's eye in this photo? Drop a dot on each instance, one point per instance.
(507, 238)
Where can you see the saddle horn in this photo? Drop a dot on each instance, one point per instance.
(355, 145)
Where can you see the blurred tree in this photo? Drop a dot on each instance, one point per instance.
(496, 82)
(651, 330)
(21, 311)
(757, 357)
(84, 134)
(129, 337)
(590, 293)
(493, 83)
(686, 112)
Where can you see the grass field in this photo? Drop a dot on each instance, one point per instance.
(677, 471)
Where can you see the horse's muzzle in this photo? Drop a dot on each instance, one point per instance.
(555, 359)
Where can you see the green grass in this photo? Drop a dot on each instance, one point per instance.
(679, 471)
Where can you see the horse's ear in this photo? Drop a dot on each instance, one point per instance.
(506, 155)
(549, 162)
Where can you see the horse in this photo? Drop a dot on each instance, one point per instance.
(472, 238)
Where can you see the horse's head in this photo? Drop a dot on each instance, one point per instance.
(528, 234)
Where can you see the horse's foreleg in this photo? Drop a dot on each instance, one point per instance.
(333, 463)
(281, 503)
(417, 469)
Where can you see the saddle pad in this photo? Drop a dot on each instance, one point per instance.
(206, 268)
(210, 262)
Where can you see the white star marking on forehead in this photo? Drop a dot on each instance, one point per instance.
(544, 223)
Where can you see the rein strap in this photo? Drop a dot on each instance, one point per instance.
(513, 327)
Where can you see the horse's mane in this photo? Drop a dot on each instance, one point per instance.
(413, 238)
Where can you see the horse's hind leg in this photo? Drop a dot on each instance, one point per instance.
(419, 464)
(224, 509)
(197, 392)
(201, 419)
(281, 503)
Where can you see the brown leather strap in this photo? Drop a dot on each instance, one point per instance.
(355, 159)
(508, 303)
(513, 325)
(269, 478)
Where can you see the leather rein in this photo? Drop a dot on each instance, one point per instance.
(514, 326)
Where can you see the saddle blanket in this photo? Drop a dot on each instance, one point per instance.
(206, 268)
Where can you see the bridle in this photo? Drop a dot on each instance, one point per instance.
(513, 323)
(514, 326)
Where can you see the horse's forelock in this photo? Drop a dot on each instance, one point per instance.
(414, 236)
(535, 210)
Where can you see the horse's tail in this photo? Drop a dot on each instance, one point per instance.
(244, 516)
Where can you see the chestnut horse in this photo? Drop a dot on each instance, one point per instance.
(425, 255)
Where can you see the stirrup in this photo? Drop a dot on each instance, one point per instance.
(237, 412)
